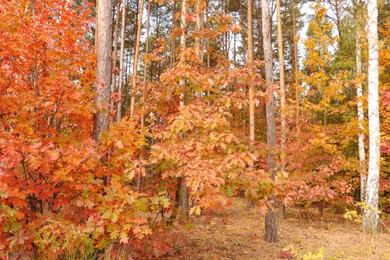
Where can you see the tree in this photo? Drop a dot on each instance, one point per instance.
(136, 56)
(359, 89)
(370, 220)
(270, 217)
(282, 98)
(103, 69)
(121, 61)
(282, 87)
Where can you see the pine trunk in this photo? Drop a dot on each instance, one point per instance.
(136, 57)
(121, 60)
(270, 217)
(103, 70)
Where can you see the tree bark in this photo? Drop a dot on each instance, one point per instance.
(370, 219)
(183, 25)
(103, 70)
(282, 102)
(295, 67)
(270, 222)
(121, 60)
(360, 111)
(250, 87)
(282, 88)
(115, 54)
(136, 56)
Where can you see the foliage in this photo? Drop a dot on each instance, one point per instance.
(61, 194)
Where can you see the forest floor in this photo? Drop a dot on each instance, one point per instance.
(238, 233)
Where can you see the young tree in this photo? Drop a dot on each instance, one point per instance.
(270, 217)
(370, 219)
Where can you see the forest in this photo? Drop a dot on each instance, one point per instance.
(195, 129)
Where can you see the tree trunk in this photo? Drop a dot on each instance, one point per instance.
(173, 38)
(270, 217)
(121, 60)
(250, 87)
(282, 101)
(103, 70)
(136, 55)
(295, 67)
(183, 24)
(370, 220)
(115, 54)
(359, 88)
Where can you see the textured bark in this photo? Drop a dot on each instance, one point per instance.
(270, 222)
(198, 47)
(360, 111)
(120, 83)
(295, 67)
(270, 225)
(103, 70)
(136, 57)
(370, 220)
(183, 25)
(250, 87)
(115, 54)
(282, 88)
(250, 65)
(173, 38)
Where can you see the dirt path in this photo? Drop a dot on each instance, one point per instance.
(237, 233)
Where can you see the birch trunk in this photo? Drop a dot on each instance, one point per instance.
(370, 220)
(360, 111)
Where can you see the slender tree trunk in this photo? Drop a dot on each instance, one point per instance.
(270, 217)
(250, 66)
(143, 90)
(370, 220)
(282, 88)
(359, 88)
(96, 23)
(136, 56)
(103, 70)
(295, 67)
(282, 100)
(183, 25)
(115, 54)
(250, 87)
(121, 60)
(173, 38)
(198, 28)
